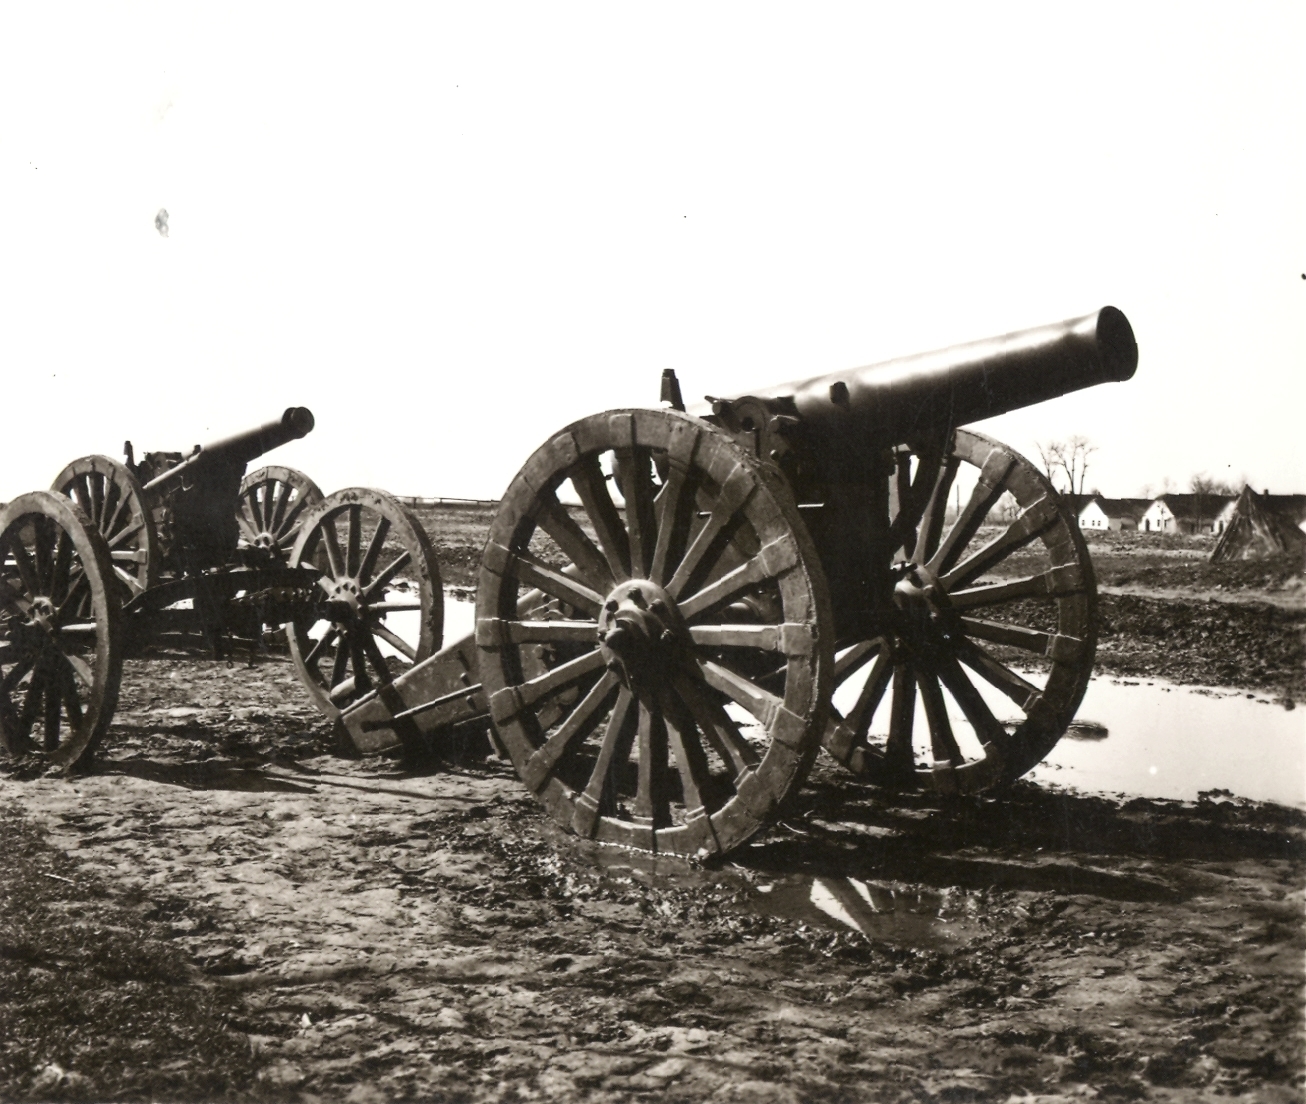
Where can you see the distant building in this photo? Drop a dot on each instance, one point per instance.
(1101, 514)
(1184, 513)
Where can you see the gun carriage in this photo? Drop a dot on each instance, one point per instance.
(186, 548)
(675, 609)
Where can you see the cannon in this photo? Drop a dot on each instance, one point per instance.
(186, 548)
(676, 610)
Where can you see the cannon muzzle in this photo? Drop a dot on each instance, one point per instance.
(239, 449)
(886, 404)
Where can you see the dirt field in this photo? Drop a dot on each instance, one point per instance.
(223, 909)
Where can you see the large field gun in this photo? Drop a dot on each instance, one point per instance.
(676, 610)
(186, 549)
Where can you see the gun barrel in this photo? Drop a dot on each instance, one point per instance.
(889, 403)
(241, 448)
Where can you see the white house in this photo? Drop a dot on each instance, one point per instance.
(1185, 513)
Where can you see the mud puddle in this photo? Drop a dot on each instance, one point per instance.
(895, 913)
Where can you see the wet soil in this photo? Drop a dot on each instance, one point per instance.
(221, 908)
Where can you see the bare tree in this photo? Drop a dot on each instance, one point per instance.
(1074, 461)
(1050, 452)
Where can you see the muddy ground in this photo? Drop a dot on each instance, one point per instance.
(223, 909)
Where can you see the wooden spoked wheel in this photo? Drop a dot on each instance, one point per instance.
(271, 509)
(112, 498)
(379, 592)
(968, 603)
(685, 670)
(60, 660)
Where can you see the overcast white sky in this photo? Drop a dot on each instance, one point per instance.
(452, 229)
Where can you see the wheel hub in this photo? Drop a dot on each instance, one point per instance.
(926, 619)
(346, 602)
(640, 631)
(42, 613)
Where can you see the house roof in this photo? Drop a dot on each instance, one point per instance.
(1292, 506)
(1195, 506)
(1133, 508)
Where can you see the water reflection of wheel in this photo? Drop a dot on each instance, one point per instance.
(684, 669)
(60, 657)
(373, 561)
(951, 619)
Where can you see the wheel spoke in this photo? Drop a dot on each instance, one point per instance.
(23, 664)
(554, 519)
(335, 560)
(931, 526)
(1027, 527)
(63, 559)
(568, 736)
(353, 539)
(545, 632)
(72, 703)
(790, 639)
(81, 669)
(373, 552)
(320, 646)
(634, 468)
(673, 521)
(943, 744)
(691, 762)
(1056, 582)
(855, 658)
(872, 693)
(560, 677)
(282, 494)
(760, 703)
(53, 700)
(534, 572)
(735, 493)
(373, 652)
(96, 483)
(652, 803)
(76, 587)
(902, 715)
(394, 640)
(383, 579)
(290, 523)
(718, 727)
(617, 740)
(26, 568)
(340, 662)
(591, 487)
(985, 494)
(913, 496)
(774, 559)
(121, 536)
(986, 726)
(1024, 694)
(1055, 646)
(129, 579)
(121, 504)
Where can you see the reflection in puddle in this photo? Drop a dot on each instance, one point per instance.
(1151, 738)
(1171, 741)
(881, 910)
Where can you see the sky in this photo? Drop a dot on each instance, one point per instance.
(452, 229)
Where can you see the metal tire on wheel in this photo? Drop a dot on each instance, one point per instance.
(60, 653)
(271, 508)
(386, 565)
(952, 619)
(111, 496)
(683, 632)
